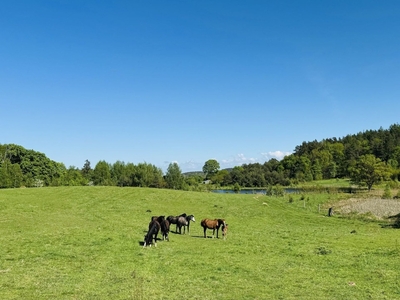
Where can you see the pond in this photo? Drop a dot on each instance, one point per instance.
(254, 191)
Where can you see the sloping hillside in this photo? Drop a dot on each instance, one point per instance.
(85, 242)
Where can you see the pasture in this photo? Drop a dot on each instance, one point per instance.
(85, 243)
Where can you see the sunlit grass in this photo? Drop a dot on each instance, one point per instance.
(85, 243)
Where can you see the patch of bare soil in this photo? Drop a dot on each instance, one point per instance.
(380, 208)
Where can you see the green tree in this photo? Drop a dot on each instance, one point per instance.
(236, 188)
(87, 171)
(235, 176)
(119, 174)
(368, 170)
(174, 178)
(210, 168)
(102, 174)
(10, 174)
(193, 180)
(219, 177)
(73, 177)
(148, 175)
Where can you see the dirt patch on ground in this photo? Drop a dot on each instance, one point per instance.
(380, 208)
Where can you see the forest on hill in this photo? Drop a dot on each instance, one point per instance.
(366, 158)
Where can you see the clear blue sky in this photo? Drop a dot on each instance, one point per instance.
(187, 81)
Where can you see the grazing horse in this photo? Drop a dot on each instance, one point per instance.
(159, 219)
(165, 229)
(164, 224)
(184, 222)
(214, 225)
(174, 220)
(154, 228)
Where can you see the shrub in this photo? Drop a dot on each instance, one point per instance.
(236, 188)
(387, 194)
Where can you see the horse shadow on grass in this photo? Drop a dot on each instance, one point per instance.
(141, 243)
(202, 237)
(395, 224)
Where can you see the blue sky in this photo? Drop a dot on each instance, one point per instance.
(187, 81)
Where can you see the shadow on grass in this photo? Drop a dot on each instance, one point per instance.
(141, 243)
(395, 224)
(202, 237)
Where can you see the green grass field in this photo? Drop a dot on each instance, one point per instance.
(84, 243)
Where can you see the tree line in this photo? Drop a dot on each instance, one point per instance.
(366, 158)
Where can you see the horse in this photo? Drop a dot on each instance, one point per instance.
(154, 228)
(224, 230)
(164, 224)
(159, 219)
(165, 229)
(184, 222)
(214, 225)
(174, 220)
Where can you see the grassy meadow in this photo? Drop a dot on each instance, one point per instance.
(85, 243)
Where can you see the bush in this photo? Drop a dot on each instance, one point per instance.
(236, 188)
(387, 194)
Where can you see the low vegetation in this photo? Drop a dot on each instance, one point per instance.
(85, 243)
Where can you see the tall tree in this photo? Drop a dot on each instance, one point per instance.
(119, 174)
(210, 167)
(87, 171)
(368, 170)
(148, 175)
(174, 177)
(102, 174)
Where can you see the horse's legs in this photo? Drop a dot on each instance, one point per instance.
(205, 232)
(213, 232)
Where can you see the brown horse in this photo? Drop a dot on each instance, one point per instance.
(214, 225)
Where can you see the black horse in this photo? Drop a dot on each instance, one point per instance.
(164, 224)
(184, 222)
(174, 220)
(154, 228)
